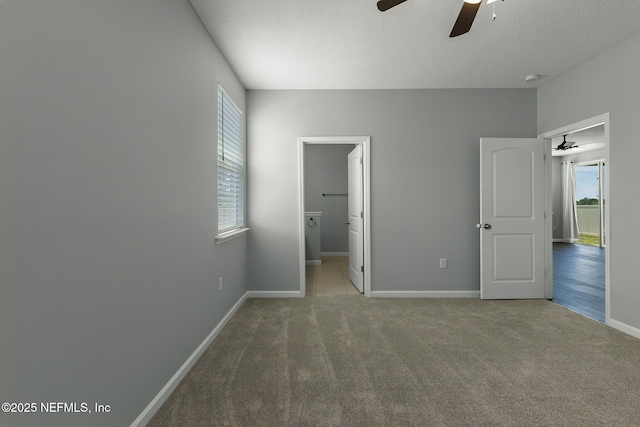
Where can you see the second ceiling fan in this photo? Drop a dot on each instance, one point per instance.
(465, 18)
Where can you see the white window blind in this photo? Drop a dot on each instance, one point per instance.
(230, 164)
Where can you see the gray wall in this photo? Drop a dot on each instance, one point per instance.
(608, 83)
(108, 263)
(424, 183)
(325, 170)
(556, 184)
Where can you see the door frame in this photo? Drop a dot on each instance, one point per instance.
(365, 142)
(547, 136)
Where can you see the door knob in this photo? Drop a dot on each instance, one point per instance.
(347, 222)
(485, 226)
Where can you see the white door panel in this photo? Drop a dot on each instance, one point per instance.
(511, 218)
(356, 229)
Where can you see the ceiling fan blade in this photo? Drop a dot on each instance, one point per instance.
(465, 18)
(388, 4)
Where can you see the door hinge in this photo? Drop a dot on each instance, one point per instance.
(361, 161)
(361, 214)
(362, 269)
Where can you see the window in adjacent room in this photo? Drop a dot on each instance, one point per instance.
(230, 167)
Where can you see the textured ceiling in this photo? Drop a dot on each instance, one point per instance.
(586, 140)
(349, 44)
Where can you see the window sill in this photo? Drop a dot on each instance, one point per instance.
(225, 237)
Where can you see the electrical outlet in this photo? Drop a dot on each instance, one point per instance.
(443, 263)
(220, 284)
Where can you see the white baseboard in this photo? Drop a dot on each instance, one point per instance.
(274, 294)
(425, 294)
(334, 253)
(313, 262)
(162, 396)
(623, 327)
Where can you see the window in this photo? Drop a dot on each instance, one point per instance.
(230, 166)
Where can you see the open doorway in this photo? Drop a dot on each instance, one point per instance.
(326, 204)
(335, 259)
(579, 279)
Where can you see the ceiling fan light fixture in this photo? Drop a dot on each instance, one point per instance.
(465, 18)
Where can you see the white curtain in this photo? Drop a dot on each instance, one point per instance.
(569, 211)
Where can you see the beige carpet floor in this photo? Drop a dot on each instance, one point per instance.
(355, 361)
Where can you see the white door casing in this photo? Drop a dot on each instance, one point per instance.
(365, 143)
(356, 219)
(512, 223)
(604, 119)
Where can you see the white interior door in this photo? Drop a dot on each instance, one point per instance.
(512, 223)
(356, 220)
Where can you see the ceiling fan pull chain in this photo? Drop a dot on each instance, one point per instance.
(493, 5)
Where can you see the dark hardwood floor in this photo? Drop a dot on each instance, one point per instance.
(579, 278)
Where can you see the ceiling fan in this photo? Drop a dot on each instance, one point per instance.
(465, 18)
(565, 145)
